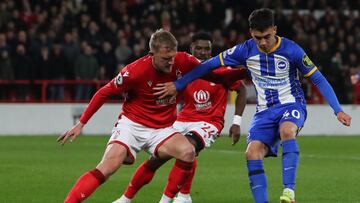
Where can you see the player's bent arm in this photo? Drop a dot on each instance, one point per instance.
(99, 98)
(197, 72)
(240, 102)
(326, 90)
(96, 102)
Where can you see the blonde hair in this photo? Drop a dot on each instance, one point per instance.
(162, 38)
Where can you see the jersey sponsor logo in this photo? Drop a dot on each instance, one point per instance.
(202, 98)
(307, 62)
(266, 83)
(165, 101)
(281, 65)
(118, 80)
(229, 52)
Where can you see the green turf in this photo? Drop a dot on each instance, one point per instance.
(35, 169)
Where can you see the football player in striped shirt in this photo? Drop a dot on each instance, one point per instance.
(274, 63)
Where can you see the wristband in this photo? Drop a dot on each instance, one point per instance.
(237, 120)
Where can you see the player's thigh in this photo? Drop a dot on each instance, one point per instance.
(293, 117)
(124, 133)
(113, 157)
(264, 128)
(176, 146)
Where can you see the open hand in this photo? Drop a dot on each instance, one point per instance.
(72, 133)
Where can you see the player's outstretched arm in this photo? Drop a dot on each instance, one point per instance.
(327, 91)
(72, 133)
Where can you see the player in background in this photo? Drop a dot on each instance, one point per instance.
(145, 121)
(200, 120)
(355, 78)
(274, 63)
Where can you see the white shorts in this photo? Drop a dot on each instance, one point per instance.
(134, 137)
(206, 131)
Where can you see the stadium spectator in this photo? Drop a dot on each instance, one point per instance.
(71, 51)
(308, 22)
(145, 123)
(107, 61)
(198, 121)
(6, 72)
(281, 107)
(58, 70)
(123, 51)
(23, 70)
(86, 68)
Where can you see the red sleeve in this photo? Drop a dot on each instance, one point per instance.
(99, 98)
(226, 75)
(118, 85)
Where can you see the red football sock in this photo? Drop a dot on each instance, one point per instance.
(85, 186)
(185, 189)
(177, 177)
(142, 176)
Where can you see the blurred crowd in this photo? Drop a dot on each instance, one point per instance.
(93, 39)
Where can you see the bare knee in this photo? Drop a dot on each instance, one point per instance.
(288, 131)
(187, 153)
(255, 151)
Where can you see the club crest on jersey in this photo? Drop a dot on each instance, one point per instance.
(307, 62)
(178, 74)
(282, 64)
(149, 83)
(118, 80)
(202, 98)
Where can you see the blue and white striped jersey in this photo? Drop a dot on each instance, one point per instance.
(274, 74)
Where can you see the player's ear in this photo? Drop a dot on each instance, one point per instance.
(275, 29)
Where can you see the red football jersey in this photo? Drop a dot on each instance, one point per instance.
(136, 82)
(206, 101)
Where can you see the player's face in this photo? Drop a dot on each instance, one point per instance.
(264, 40)
(201, 49)
(163, 59)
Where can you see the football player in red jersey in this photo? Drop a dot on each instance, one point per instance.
(200, 120)
(145, 122)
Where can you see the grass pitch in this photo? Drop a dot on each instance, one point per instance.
(36, 169)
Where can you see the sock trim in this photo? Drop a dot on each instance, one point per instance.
(256, 172)
(98, 175)
(183, 164)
